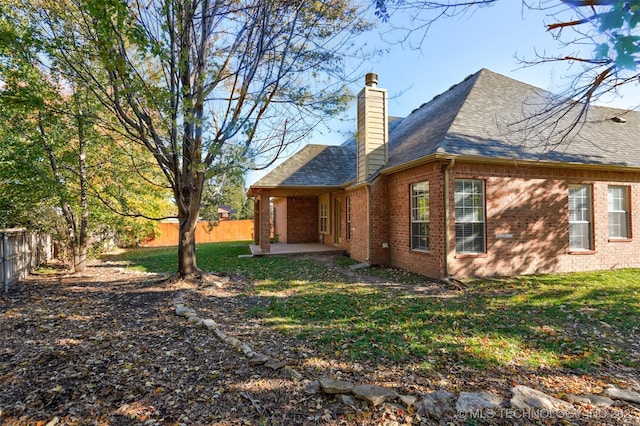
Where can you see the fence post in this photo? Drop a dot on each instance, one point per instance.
(5, 262)
(25, 255)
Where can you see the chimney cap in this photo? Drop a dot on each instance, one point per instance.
(371, 79)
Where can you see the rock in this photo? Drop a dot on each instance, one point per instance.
(359, 266)
(209, 323)
(374, 395)
(595, 400)
(274, 364)
(221, 334)
(469, 402)
(408, 401)
(528, 398)
(346, 399)
(182, 310)
(622, 394)
(194, 319)
(258, 359)
(436, 404)
(333, 386)
(246, 350)
(290, 373)
(232, 341)
(312, 388)
(54, 421)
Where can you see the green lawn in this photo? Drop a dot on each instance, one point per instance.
(571, 320)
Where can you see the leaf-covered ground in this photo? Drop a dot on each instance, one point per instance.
(105, 348)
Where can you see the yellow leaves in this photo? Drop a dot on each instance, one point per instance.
(56, 389)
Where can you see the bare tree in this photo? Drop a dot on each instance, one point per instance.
(607, 30)
(204, 84)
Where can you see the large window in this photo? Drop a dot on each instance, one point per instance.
(618, 197)
(420, 216)
(469, 205)
(579, 217)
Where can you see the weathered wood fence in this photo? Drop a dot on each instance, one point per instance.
(22, 252)
(206, 232)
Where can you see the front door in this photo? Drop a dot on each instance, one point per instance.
(337, 223)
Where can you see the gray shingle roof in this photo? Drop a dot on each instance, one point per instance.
(483, 116)
(493, 116)
(314, 165)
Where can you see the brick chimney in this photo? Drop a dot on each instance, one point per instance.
(373, 128)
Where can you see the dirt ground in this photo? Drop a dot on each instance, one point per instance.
(105, 348)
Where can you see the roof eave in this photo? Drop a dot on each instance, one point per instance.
(510, 161)
(293, 190)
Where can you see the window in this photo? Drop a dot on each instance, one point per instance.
(469, 206)
(348, 217)
(324, 216)
(420, 216)
(579, 217)
(618, 211)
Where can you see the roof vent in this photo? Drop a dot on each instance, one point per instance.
(371, 79)
(618, 119)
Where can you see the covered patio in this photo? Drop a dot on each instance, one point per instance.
(281, 249)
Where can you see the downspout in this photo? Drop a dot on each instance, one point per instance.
(368, 190)
(447, 216)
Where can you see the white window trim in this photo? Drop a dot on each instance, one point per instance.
(482, 222)
(413, 207)
(625, 201)
(589, 216)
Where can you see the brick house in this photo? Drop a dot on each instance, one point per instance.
(458, 189)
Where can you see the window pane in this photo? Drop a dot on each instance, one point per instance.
(420, 236)
(579, 217)
(618, 211)
(469, 211)
(579, 236)
(470, 237)
(420, 216)
(618, 227)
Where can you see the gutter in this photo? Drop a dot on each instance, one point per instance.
(447, 216)
(509, 162)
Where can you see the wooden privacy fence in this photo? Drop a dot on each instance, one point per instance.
(206, 232)
(22, 252)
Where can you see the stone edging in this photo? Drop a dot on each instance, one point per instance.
(255, 358)
(437, 404)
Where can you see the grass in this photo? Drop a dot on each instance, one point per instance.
(575, 321)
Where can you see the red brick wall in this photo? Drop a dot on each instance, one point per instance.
(431, 262)
(379, 222)
(528, 203)
(358, 244)
(302, 220)
(531, 204)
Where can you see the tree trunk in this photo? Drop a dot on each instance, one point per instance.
(80, 258)
(80, 248)
(187, 267)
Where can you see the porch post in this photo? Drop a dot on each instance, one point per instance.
(265, 222)
(256, 220)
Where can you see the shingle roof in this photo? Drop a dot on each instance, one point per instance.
(493, 116)
(482, 116)
(314, 165)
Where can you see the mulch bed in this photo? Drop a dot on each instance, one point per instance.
(104, 347)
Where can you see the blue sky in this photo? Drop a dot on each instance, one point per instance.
(494, 37)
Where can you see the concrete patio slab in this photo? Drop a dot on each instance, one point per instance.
(281, 249)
